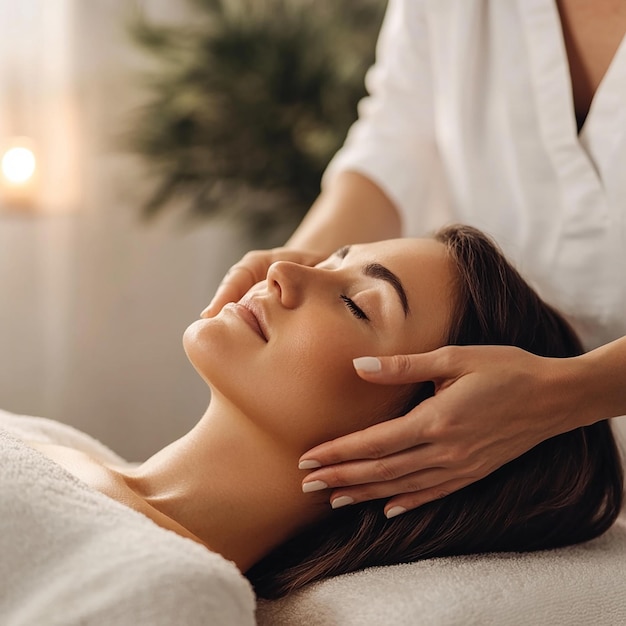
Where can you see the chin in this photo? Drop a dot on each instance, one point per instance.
(218, 350)
(198, 346)
(192, 336)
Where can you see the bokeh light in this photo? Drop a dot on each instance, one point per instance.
(18, 165)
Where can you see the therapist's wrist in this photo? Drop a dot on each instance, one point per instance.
(577, 393)
(350, 209)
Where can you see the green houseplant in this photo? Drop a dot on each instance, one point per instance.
(249, 102)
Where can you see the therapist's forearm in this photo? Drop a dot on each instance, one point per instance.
(352, 209)
(597, 383)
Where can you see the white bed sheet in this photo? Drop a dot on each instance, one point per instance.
(574, 586)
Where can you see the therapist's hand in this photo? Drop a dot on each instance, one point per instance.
(252, 269)
(491, 404)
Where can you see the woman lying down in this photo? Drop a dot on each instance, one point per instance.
(279, 367)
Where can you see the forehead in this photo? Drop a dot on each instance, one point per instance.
(419, 263)
(428, 275)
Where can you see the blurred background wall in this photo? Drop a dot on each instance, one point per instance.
(94, 299)
(93, 302)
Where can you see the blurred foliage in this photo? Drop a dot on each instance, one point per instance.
(248, 103)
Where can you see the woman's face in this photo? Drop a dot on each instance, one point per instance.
(283, 354)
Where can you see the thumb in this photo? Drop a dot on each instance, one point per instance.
(225, 293)
(234, 285)
(406, 368)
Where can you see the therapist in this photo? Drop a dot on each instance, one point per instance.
(509, 115)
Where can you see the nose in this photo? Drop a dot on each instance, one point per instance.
(290, 281)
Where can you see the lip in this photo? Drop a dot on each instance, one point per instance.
(253, 315)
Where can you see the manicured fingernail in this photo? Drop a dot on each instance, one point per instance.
(367, 364)
(309, 464)
(341, 501)
(394, 511)
(314, 485)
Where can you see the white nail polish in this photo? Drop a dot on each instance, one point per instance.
(314, 485)
(394, 511)
(341, 501)
(309, 464)
(367, 364)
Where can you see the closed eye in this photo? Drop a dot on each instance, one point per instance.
(354, 309)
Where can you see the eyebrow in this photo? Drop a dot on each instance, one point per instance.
(380, 272)
(376, 270)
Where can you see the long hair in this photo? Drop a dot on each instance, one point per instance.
(565, 490)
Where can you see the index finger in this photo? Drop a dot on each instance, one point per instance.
(374, 442)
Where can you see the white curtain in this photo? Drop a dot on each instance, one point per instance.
(38, 98)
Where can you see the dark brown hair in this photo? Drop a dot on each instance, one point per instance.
(565, 490)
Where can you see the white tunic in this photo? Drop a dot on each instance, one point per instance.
(477, 94)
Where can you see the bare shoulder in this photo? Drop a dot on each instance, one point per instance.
(109, 481)
(97, 475)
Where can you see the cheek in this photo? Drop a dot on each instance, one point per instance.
(318, 395)
(300, 388)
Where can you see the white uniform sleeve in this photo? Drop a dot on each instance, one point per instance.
(392, 142)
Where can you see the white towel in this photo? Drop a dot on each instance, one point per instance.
(579, 585)
(71, 555)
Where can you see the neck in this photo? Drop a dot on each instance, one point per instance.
(229, 486)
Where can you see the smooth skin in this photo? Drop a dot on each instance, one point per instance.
(458, 436)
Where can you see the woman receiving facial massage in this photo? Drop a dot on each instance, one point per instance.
(279, 364)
